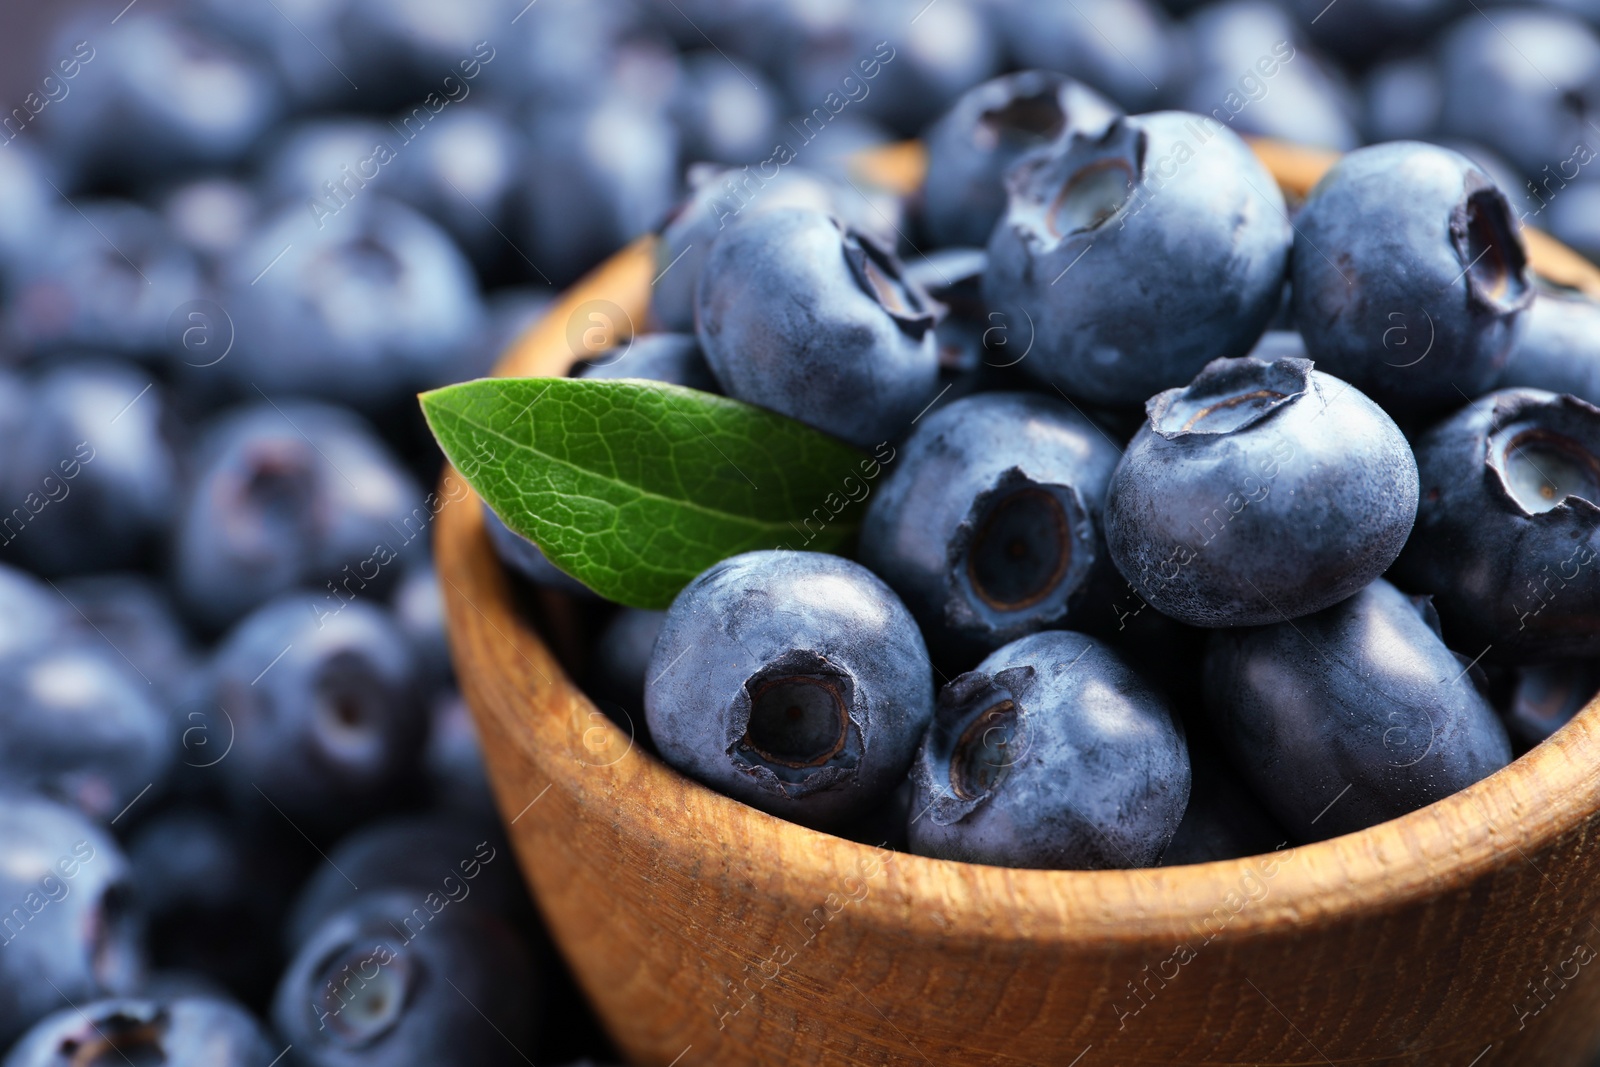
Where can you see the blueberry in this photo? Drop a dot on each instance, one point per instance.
(1409, 275)
(212, 217)
(1125, 48)
(586, 198)
(137, 622)
(1250, 68)
(658, 357)
(69, 932)
(562, 51)
(328, 726)
(1052, 753)
(719, 198)
(213, 898)
(1524, 82)
(464, 173)
(990, 127)
(388, 982)
(405, 51)
(367, 303)
(1402, 99)
(290, 494)
(1224, 820)
(29, 184)
(94, 477)
(181, 1031)
(1559, 347)
(299, 41)
(1238, 503)
(1359, 31)
(804, 316)
(1174, 200)
(108, 280)
(82, 726)
(794, 681)
(1545, 698)
(453, 759)
(989, 522)
(725, 113)
(158, 94)
(452, 859)
(620, 668)
(32, 615)
(1352, 716)
(1509, 526)
(300, 162)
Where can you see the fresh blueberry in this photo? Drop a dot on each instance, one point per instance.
(212, 217)
(181, 1031)
(158, 94)
(988, 523)
(1352, 716)
(389, 983)
(361, 302)
(328, 724)
(1359, 31)
(464, 173)
(1508, 530)
(800, 314)
(1526, 83)
(1402, 100)
(32, 615)
(298, 39)
(29, 186)
(406, 51)
(897, 61)
(589, 195)
(989, 129)
(451, 859)
(1545, 698)
(1125, 48)
(527, 559)
(1251, 69)
(1052, 753)
(719, 198)
(453, 759)
(68, 935)
(95, 477)
(318, 161)
(1409, 275)
(794, 681)
(418, 606)
(621, 665)
(1238, 503)
(658, 357)
(108, 280)
(725, 113)
(1559, 348)
(137, 620)
(1224, 820)
(290, 494)
(213, 896)
(80, 725)
(1174, 199)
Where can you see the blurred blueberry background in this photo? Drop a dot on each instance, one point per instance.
(242, 813)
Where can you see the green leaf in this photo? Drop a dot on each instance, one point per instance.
(635, 487)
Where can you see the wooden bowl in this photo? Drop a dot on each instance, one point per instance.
(706, 932)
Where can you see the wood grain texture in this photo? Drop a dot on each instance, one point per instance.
(706, 932)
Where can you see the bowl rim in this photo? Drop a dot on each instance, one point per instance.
(1549, 792)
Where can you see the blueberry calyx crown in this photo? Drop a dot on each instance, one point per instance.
(1032, 114)
(1023, 545)
(880, 277)
(1544, 453)
(134, 1032)
(1229, 395)
(354, 1007)
(979, 733)
(1493, 258)
(798, 726)
(1075, 187)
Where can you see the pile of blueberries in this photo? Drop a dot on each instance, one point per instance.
(1136, 582)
